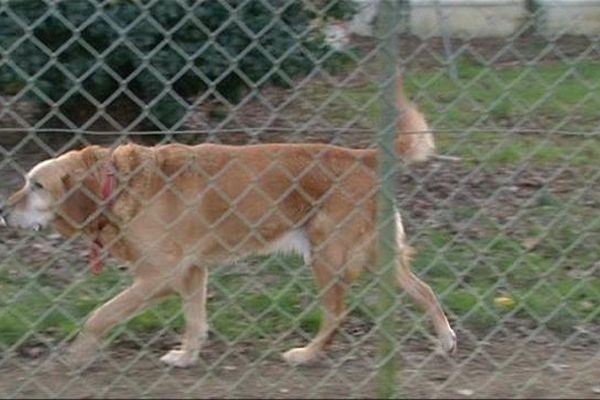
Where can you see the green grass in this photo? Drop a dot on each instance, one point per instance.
(489, 102)
(236, 312)
(33, 306)
(554, 284)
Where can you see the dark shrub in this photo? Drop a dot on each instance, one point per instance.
(142, 61)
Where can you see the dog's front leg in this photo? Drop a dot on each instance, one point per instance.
(126, 304)
(192, 289)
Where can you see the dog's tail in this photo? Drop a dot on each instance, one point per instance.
(415, 140)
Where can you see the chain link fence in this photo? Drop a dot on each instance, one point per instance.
(503, 218)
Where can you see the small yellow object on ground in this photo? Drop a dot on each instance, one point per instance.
(504, 301)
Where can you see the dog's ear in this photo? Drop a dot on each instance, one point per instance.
(78, 192)
(80, 198)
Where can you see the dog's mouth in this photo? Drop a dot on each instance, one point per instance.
(35, 227)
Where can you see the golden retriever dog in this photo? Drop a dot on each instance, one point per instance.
(171, 211)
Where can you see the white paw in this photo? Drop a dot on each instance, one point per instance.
(179, 359)
(449, 342)
(299, 355)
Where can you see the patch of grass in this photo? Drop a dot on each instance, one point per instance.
(236, 311)
(506, 148)
(542, 91)
(540, 98)
(31, 307)
(555, 283)
(240, 310)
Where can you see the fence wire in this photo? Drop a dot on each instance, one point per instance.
(232, 176)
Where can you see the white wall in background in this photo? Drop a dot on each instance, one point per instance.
(579, 17)
(466, 18)
(481, 18)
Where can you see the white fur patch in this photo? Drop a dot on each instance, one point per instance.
(35, 209)
(400, 235)
(294, 241)
(35, 213)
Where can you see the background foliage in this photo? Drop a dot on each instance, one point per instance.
(147, 48)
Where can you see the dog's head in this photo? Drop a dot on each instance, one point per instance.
(64, 191)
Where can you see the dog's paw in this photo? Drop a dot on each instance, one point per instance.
(179, 359)
(81, 354)
(299, 355)
(449, 342)
(77, 363)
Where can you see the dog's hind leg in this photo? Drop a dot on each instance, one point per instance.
(192, 289)
(422, 293)
(326, 264)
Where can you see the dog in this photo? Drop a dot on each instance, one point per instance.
(172, 210)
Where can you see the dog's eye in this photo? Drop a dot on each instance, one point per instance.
(37, 186)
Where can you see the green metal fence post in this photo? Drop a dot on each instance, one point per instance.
(387, 24)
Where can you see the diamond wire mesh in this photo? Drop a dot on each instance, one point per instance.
(504, 222)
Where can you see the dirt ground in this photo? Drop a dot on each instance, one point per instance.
(498, 369)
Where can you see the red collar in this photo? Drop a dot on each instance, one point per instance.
(108, 185)
(109, 181)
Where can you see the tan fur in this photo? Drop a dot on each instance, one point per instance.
(180, 209)
(416, 143)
